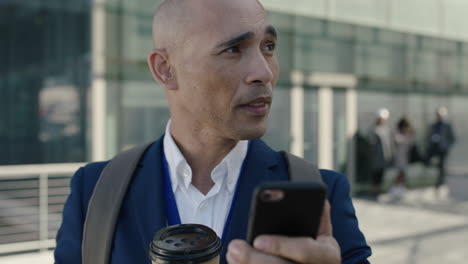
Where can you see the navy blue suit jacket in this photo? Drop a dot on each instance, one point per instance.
(143, 214)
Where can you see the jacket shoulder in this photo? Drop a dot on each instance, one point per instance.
(92, 170)
(86, 178)
(335, 182)
(69, 235)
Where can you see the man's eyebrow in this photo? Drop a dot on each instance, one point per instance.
(237, 39)
(271, 30)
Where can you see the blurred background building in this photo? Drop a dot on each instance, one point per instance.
(75, 87)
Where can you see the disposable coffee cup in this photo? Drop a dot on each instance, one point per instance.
(185, 244)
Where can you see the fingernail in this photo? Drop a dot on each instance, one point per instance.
(231, 259)
(262, 243)
(233, 253)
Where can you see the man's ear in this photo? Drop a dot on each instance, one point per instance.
(160, 66)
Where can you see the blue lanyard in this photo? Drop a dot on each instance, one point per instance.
(172, 212)
(173, 217)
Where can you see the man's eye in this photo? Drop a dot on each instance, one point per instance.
(270, 46)
(234, 49)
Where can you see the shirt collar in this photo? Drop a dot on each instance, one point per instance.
(174, 157)
(228, 170)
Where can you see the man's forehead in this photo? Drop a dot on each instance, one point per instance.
(227, 17)
(216, 4)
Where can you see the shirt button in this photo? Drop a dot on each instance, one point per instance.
(202, 205)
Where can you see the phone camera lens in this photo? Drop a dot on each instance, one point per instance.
(266, 196)
(272, 195)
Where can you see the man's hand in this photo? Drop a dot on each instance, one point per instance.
(280, 249)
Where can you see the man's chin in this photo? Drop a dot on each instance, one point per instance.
(251, 133)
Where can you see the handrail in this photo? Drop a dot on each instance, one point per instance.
(26, 246)
(32, 217)
(32, 170)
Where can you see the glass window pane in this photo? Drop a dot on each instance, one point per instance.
(44, 82)
(339, 30)
(379, 61)
(277, 135)
(145, 112)
(311, 125)
(425, 65)
(464, 67)
(364, 34)
(458, 118)
(323, 55)
(393, 38)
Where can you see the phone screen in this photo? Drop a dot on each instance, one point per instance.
(286, 208)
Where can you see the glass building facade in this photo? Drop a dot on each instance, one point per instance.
(403, 57)
(44, 81)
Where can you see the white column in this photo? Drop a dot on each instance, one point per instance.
(325, 128)
(351, 112)
(98, 88)
(297, 121)
(43, 211)
(351, 129)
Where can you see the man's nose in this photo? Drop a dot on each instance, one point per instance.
(259, 70)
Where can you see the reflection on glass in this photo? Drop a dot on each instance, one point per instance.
(59, 107)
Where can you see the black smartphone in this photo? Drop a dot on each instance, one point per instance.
(286, 208)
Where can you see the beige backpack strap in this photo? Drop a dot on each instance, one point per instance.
(104, 205)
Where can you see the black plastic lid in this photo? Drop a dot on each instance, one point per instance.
(186, 243)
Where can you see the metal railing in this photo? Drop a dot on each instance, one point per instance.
(31, 204)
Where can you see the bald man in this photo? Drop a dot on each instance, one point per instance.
(215, 60)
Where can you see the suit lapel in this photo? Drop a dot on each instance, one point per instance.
(147, 202)
(259, 166)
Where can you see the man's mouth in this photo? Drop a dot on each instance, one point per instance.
(258, 106)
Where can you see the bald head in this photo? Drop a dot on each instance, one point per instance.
(168, 21)
(175, 19)
(216, 61)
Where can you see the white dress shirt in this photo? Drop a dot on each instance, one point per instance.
(213, 208)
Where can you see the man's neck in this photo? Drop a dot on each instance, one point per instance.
(203, 150)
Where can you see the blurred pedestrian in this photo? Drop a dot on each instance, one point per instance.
(404, 141)
(380, 150)
(441, 138)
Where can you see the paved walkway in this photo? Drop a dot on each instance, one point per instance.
(419, 229)
(422, 228)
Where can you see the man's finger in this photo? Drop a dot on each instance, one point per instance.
(324, 249)
(300, 249)
(239, 252)
(325, 221)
